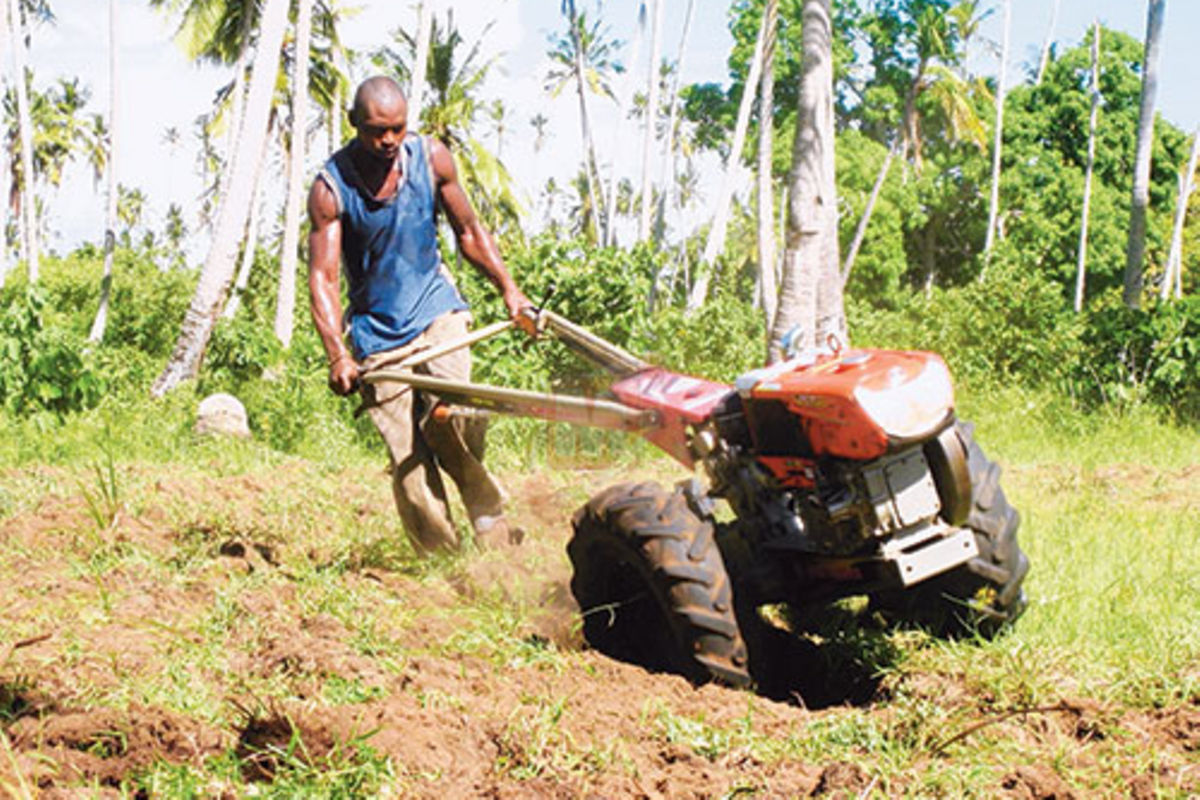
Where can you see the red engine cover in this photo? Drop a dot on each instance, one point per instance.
(822, 394)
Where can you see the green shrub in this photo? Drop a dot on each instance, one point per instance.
(43, 368)
(1012, 327)
(1134, 355)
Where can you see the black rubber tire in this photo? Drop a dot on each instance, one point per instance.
(652, 585)
(986, 594)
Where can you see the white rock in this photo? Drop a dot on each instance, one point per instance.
(222, 414)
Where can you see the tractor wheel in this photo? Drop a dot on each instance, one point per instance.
(652, 585)
(985, 594)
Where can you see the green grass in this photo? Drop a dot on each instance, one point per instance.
(1109, 520)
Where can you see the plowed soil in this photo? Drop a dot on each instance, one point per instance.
(210, 620)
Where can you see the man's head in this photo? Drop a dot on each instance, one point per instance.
(380, 115)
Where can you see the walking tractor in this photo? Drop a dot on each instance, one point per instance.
(845, 471)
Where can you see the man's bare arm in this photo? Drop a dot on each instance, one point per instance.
(324, 254)
(474, 240)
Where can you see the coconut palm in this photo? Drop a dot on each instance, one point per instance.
(997, 138)
(28, 218)
(285, 306)
(918, 52)
(60, 132)
(810, 300)
(668, 151)
(100, 322)
(1173, 276)
(416, 87)
(584, 57)
(766, 193)
(218, 266)
(1044, 58)
(652, 90)
(715, 244)
(1135, 251)
(1081, 264)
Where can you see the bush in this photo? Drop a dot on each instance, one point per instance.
(43, 368)
(1131, 356)
(1012, 327)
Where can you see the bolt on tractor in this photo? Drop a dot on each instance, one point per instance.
(845, 473)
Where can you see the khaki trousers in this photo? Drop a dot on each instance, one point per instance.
(419, 445)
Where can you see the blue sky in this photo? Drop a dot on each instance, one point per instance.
(160, 90)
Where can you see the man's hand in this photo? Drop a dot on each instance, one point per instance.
(343, 375)
(518, 304)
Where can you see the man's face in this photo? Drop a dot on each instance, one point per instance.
(382, 127)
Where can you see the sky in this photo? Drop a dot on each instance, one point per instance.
(160, 90)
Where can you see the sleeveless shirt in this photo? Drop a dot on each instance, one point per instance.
(397, 282)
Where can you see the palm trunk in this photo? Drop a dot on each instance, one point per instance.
(1172, 280)
(100, 323)
(997, 142)
(585, 124)
(812, 213)
(1135, 252)
(768, 290)
(651, 119)
(416, 92)
(668, 151)
(715, 245)
(237, 101)
(860, 232)
(250, 250)
(1045, 57)
(1081, 265)
(608, 191)
(285, 307)
(218, 266)
(28, 222)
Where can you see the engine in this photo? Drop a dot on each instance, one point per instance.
(846, 457)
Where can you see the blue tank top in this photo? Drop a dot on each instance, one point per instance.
(397, 282)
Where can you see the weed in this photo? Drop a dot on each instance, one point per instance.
(103, 498)
(531, 744)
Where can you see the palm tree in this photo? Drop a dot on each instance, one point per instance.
(668, 151)
(285, 307)
(218, 32)
(110, 219)
(28, 225)
(1044, 59)
(998, 140)
(250, 248)
(652, 88)
(766, 194)
(715, 244)
(131, 207)
(60, 132)
(1081, 264)
(1173, 275)
(218, 266)
(860, 232)
(584, 57)
(1135, 251)
(810, 300)
(416, 89)
(922, 47)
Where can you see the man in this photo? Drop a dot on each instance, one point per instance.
(374, 208)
